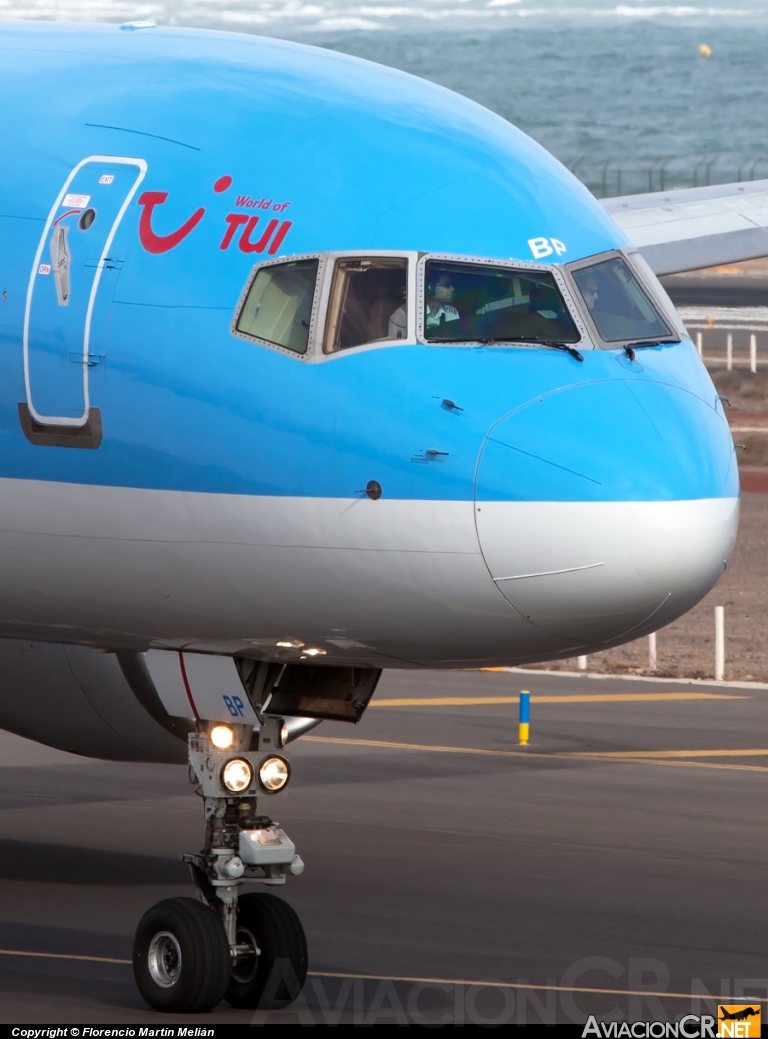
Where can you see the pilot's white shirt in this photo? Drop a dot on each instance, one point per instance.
(444, 313)
(398, 324)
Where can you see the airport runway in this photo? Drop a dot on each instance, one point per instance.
(626, 849)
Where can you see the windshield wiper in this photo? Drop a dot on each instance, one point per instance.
(629, 348)
(649, 343)
(563, 346)
(539, 342)
(489, 341)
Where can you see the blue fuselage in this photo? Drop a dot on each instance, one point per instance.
(226, 151)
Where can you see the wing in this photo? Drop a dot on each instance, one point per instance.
(691, 228)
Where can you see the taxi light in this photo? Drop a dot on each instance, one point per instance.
(237, 775)
(274, 773)
(222, 736)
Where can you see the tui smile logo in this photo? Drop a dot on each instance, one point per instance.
(270, 234)
(738, 1021)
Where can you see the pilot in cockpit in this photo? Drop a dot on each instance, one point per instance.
(440, 292)
(588, 287)
(398, 320)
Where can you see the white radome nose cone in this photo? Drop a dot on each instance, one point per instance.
(607, 510)
(678, 546)
(592, 572)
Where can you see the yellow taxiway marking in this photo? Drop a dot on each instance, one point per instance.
(482, 983)
(390, 745)
(619, 754)
(469, 701)
(637, 757)
(61, 956)
(492, 983)
(399, 978)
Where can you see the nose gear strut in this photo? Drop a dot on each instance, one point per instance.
(248, 949)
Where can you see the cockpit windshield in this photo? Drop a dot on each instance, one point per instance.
(617, 303)
(469, 302)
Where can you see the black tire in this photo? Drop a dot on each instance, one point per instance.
(274, 979)
(181, 958)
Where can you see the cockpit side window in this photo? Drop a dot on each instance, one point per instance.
(657, 292)
(369, 302)
(617, 303)
(470, 302)
(278, 307)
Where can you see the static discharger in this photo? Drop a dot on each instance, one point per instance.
(525, 717)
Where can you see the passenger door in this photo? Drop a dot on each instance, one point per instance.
(71, 285)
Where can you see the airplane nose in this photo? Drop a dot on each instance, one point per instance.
(606, 510)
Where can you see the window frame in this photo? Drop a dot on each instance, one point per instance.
(334, 259)
(317, 325)
(677, 331)
(586, 341)
(416, 289)
(409, 255)
(281, 261)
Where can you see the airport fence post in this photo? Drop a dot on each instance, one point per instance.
(753, 353)
(729, 352)
(523, 728)
(719, 643)
(699, 344)
(582, 663)
(652, 651)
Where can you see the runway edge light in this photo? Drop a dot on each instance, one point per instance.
(525, 717)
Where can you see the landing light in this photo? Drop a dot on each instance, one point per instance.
(289, 644)
(222, 736)
(313, 651)
(274, 773)
(237, 775)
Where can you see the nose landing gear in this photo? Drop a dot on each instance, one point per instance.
(251, 950)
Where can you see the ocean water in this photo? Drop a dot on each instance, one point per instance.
(619, 92)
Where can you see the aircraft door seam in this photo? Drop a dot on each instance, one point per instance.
(53, 420)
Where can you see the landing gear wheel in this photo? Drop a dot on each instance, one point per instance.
(181, 958)
(273, 979)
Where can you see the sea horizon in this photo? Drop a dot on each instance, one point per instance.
(621, 93)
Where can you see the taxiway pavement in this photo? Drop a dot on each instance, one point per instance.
(624, 850)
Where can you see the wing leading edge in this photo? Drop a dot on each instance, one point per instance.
(691, 228)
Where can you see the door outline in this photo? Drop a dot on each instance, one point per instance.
(53, 420)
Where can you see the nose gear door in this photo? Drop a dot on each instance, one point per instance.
(71, 286)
